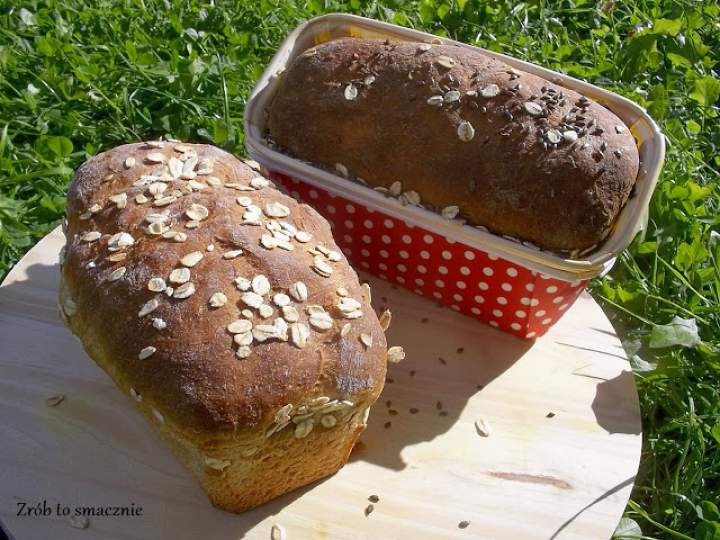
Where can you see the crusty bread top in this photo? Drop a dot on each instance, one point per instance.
(516, 153)
(195, 377)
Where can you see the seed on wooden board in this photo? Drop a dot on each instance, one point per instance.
(184, 291)
(387, 424)
(374, 499)
(395, 354)
(465, 131)
(54, 401)
(369, 509)
(414, 410)
(277, 532)
(217, 300)
(445, 61)
(482, 428)
(350, 92)
(533, 108)
(463, 524)
(490, 91)
(146, 352)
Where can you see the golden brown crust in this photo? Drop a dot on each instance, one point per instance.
(503, 178)
(194, 378)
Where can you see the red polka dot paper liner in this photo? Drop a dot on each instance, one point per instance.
(503, 294)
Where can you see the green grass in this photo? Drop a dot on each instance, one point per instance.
(78, 76)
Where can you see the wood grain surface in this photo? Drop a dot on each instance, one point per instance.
(533, 476)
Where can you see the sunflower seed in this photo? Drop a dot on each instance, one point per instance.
(149, 306)
(351, 92)
(54, 401)
(304, 428)
(482, 428)
(157, 284)
(303, 237)
(233, 254)
(217, 300)
(299, 334)
(192, 258)
(395, 354)
(184, 291)
(533, 108)
(451, 96)
(553, 136)
(465, 131)
(435, 101)
(490, 91)
(159, 324)
(367, 340)
(450, 212)
(146, 352)
(298, 291)
(129, 162)
(252, 299)
(328, 421)
(445, 61)
(91, 236)
(197, 212)
(277, 532)
(239, 326)
(117, 273)
(385, 320)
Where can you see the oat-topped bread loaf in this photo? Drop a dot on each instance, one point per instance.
(460, 133)
(226, 311)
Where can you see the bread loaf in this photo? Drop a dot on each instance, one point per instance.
(226, 311)
(461, 133)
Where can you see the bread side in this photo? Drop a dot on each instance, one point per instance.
(464, 134)
(226, 311)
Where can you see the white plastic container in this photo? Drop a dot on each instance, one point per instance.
(456, 258)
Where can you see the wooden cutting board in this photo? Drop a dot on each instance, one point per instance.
(535, 475)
